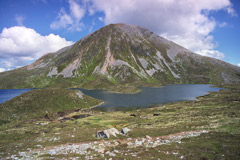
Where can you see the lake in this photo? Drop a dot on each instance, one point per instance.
(149, 96)
(7, 94)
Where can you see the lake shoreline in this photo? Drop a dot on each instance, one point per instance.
(149, 96)
(217, 113)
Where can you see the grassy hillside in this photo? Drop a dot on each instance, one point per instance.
(44, 103)
(217, 113)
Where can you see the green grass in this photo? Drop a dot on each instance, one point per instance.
(218, 112)
(209, 146)
(37, 103)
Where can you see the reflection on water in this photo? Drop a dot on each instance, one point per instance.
(149, 96)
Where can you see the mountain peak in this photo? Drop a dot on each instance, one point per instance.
(130, 29)
(121, 54)
(125, 26)
(121, 25)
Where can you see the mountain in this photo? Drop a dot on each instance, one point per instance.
(123, 55)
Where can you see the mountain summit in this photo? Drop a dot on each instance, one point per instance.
(120, 54)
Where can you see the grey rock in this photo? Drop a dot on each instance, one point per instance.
(107, 133)
(125, 130)
(79, 94)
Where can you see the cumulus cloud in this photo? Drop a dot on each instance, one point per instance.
(20, 45)
(70, 21)
(238, 64)
(185, 22)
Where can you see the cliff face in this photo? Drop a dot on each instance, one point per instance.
(120, 54)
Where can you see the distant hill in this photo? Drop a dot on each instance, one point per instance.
(123, 55)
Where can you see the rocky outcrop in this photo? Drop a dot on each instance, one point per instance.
(112, 132)
(107, 133)
(102, 149)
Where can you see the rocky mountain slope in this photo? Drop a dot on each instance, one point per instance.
(124, 55)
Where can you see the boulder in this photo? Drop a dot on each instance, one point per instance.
(113, 132)
(102, 134)
(107, 133)
(125, 130)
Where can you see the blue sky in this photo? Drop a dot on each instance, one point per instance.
(31, 28)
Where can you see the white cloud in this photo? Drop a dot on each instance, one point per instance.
(238, 64)
(185, 22)
(90, 29)
(100, 19)
(211, 53)
(70, 21)
(76, 10)
(63, 20)
(20, 45)
(222, 24)
(19, 19)
(231, 11)
(2, 69)
(91, 10)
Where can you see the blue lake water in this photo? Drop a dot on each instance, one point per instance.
(149, 96)
(146, 98)
(7, 94)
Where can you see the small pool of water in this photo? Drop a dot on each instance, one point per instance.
(149, 96)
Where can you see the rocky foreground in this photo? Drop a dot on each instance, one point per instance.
(107, 148)
(208, 128)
